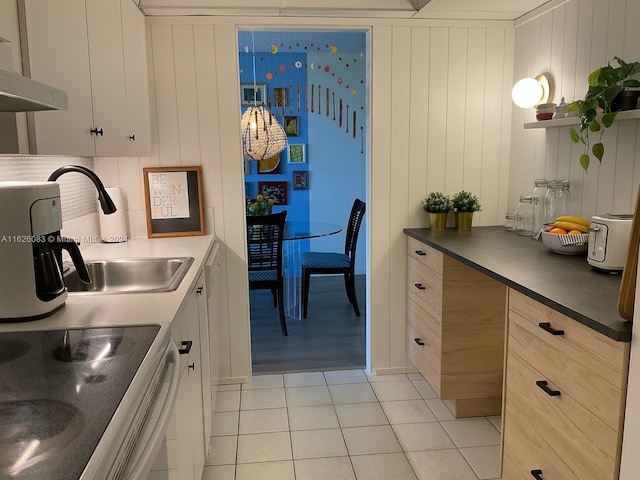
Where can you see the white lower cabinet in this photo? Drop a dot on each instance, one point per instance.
(187, 441)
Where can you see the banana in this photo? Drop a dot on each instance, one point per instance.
(570, 226)
(573, 219)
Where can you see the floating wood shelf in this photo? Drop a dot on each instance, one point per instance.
(563, 122)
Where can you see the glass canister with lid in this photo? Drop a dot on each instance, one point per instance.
(557, 199)
(539, 203)
(524, 216)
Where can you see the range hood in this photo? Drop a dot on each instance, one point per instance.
(21, 94)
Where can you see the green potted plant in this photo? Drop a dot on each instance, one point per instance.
(261, 205)
(438, 206)
(464, 204)
(608, 85)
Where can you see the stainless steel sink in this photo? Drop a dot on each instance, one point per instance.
(130, 275)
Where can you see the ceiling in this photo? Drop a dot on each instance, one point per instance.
(425, 9)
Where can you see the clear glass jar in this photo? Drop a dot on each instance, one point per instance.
(557, 199)
(510, 221)
(524, 216)
(539, 203)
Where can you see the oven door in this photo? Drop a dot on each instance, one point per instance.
(138, 435)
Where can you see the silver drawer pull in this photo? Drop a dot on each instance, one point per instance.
(419, 286)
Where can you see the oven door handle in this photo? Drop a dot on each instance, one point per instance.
(147, 456)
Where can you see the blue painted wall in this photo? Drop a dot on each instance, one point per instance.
(317, 62)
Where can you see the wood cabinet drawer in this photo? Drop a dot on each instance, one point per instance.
(426, 255)
(424, 286)
(580, 363)
(599, 353)
(423, 349)
(556, 434)
(426, 321)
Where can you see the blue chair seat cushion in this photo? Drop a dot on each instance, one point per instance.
(263, 276)
(324, 260)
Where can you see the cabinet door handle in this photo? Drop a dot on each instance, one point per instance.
(545, 388)
(546, 326)
(537, 474)
(420, 286)
(186, 347)
(132, 137)
(97, 131)
(418, 341)
(192, 367)
(421, 253)
(199, 290)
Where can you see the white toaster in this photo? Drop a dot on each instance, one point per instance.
(609, 241)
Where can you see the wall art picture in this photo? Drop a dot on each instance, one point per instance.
(174, 202)
(275, 190)
(296, 153)
(252, 95)
(300, 180)
(291, 126)
(280, 97)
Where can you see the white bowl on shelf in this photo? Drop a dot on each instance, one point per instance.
(552, 242)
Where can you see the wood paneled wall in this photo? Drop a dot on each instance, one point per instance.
(440, 108)
(569, 41)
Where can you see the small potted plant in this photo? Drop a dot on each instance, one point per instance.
(608, 88)
(438, 206)
(464, 204)
(261, 205)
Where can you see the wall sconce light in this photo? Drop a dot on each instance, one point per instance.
(529, 92)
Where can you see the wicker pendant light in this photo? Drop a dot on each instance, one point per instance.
(262, 135)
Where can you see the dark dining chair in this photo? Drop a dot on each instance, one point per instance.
(265, 234)
(323, 263)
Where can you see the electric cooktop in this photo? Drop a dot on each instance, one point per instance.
(58, 391)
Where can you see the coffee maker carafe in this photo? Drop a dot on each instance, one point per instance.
(31, 279)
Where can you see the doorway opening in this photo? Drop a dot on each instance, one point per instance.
(316, 84)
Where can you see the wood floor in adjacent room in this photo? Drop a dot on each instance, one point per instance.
(330, 338)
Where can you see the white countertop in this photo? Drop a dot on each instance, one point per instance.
(96, 310)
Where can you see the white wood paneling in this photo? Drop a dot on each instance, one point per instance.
(380, 203)
(569, 42)
(439, 121)
(399, 174)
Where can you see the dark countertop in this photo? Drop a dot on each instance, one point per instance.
(566, 283)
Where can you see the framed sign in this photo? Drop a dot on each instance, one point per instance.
(275, 190)
(296, 153)
(174, 203)
(300, 180)
(251, 95)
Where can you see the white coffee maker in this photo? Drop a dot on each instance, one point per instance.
(31, 280)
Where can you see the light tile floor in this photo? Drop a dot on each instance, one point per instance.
(346, 425)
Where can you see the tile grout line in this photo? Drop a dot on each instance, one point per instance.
(340, 425)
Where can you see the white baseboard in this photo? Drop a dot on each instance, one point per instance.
(393, 370)
(231, 380)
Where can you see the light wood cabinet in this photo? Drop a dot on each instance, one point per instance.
(95, 51)
(565, 390)
(456, 317)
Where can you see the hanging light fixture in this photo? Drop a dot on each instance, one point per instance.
(262, 135)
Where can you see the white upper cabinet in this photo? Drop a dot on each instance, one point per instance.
(95, 50)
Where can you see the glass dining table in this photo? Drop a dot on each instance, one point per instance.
(294, 233)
